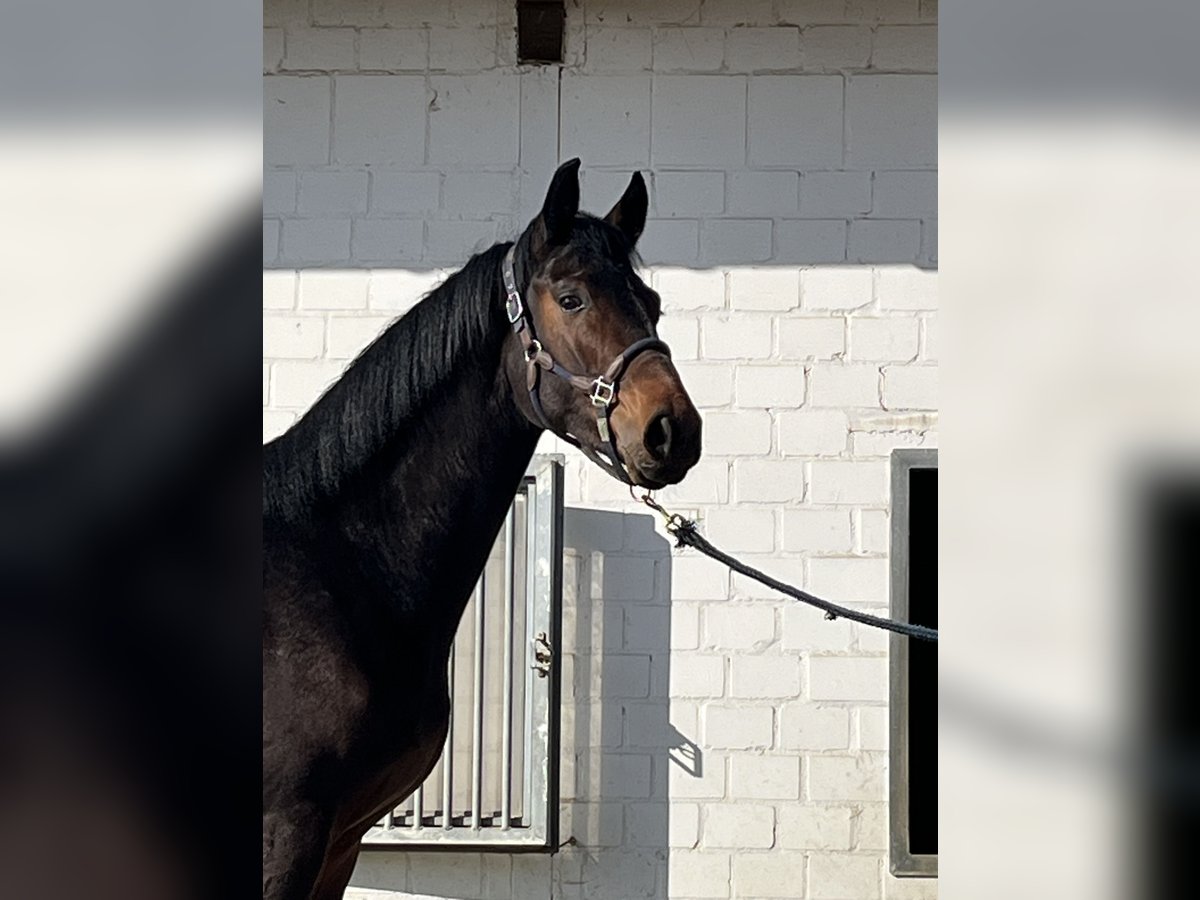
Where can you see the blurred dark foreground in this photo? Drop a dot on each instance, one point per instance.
(129, 583)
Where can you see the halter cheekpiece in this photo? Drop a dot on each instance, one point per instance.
(602, 390)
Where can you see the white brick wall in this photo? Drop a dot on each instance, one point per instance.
(791, 152)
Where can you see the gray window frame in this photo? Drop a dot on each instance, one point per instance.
(901, 862)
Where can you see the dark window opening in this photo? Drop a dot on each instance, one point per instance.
(540, 31)
(913, 666)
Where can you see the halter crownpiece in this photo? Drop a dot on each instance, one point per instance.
(602, 390)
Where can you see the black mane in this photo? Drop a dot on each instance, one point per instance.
(388, 384)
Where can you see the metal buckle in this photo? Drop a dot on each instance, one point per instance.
(603, 392)
(513, 307)
(532, 351)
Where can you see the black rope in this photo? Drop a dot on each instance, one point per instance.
(685, 533)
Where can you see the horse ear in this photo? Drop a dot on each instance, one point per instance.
(552, 227)
(629, 214)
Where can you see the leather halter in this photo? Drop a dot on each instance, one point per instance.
(601, 390)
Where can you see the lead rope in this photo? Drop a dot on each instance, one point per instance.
(685, 534)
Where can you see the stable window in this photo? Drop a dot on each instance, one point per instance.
(496, 783)
(540, 31)
(913, 666)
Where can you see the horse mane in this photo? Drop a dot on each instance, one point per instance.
(389, 384)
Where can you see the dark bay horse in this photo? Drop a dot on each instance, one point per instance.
(380, 506)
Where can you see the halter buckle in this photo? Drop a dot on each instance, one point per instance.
(513, 307)
(603, 392)
(533, 350)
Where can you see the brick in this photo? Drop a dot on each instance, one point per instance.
(683, 826)
(890, 339)
(279, 290)
(762, 193)
(336, 289)
(905, 48)
(333, 193)
(816, 530)
(676, 140)
(850, 578)
(764, 289)
(803, 726)
(453, 243)
(697, 675)
(617, 49)
(467, 106)
(685, 626)
(906, 288)
(320, 49)
(669, 241)
(836, 288)
(871, 830)
(298, 384)
(841, 875)
(598, 824)
(348, 12)
(275, 423)
(739, 627)
(400, 289)
(774, 874)
(645, 825)
(624, 676)
(764, 777)
(736, 433)
(379, 119)
(873, 728)
(813, 432)
(929, 338)
(736, 338)
(462, 49)
(809, 827)
(688, 49)
(350, 335)
(835, 47)
(778, 387)
(833, 194)
(816, 241)
(635, 12)
(836, 481)
(405, 192)
(296, 120)
(848, 678)
(682, 335)
(891, 121)
(738, 826)
(272, 49)
(279, 192)
(908, 195)
(768, 480)
(882, 443)
(709, 784)
(695, 578)
(689, 194)
(706, 482)
(739, 727)
(707, 385)
(884, 241)
(795, 120)
(701, 875)
(393, 49)
(806, 629)
(271, 240)
(387, 240)
(764, 676)
(606, 117)
(810, 338)
(479, 192)
(742, 529)
(873, 530)
(316, 240)
(293, 337)
(806, 12)
(880, 11)
(762, 49)
(625, 775)
(910, 387)
(929, 242)
(736, 240)
(746, 12)
(844, 385)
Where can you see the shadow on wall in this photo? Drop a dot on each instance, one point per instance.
(619, 739)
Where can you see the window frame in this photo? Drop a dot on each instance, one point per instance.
(901, 862)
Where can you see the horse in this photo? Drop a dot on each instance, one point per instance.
(381, 503)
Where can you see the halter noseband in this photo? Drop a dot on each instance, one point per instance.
(602, 390)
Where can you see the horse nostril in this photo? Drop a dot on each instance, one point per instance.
(658, 435)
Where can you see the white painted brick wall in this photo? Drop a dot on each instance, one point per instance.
(791, 152)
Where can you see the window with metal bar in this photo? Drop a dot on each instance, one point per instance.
(913, 666)
(496, 783)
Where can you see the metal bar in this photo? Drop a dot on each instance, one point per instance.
(477, 724)
(448, 756)
(418, 806)
(506, 747)
(531, 559)
(390, 819)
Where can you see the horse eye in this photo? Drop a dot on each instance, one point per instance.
(570, 302)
